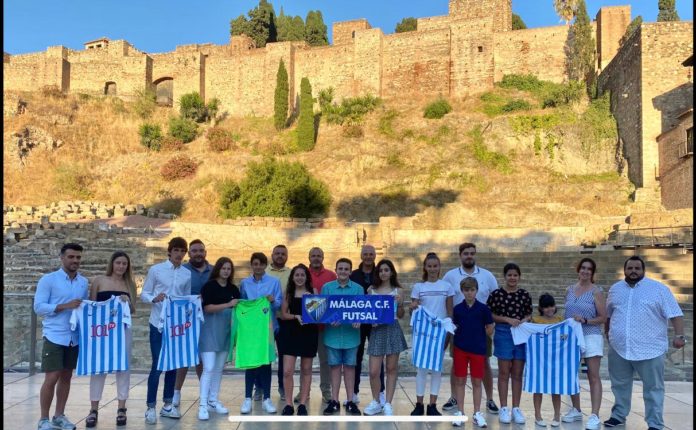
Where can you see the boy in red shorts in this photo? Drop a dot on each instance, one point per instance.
(474, 322)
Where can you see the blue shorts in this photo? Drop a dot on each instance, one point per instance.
(503, 346)
(339, 356)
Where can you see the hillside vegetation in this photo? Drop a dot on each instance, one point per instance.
(527, 153)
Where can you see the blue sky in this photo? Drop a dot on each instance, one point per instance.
(159, 25)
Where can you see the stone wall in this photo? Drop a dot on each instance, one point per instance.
(611, 22)
(499, 10)
(344, 32)
(676, 165)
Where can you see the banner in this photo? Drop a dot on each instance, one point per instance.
(367, 309)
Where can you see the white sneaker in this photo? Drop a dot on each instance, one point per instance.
(504, 415)
(572, 415)
(373, 408)
(150, 416)
(176, 398)
(555, 423)
(45, 424)
(382, 398)
(593, 422)
(246, 406)
(203, 413)
(218, 407)
(518, 416)
(388, 410)
(62, 422)
(356, 398)
(540, 423)
(459, 421)
(171, 412)
(268, 406)
(479, 420)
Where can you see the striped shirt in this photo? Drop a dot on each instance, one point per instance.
(102, 329)
(180, 324)
(552, 357)
(433, 296)
(428, 338)
(584, 306)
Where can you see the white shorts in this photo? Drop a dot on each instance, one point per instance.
(594, 346)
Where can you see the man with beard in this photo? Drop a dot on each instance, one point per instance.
(200, 272)
(639, 310)
(486, 285)
(279, 256)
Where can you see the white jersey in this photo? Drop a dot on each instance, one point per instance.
(433, 296)
(428, 338)
(486, 283)
(180, 324)
(102, 331)
(553, 356)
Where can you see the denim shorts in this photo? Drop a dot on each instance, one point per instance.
(339, 356)
(503, 346)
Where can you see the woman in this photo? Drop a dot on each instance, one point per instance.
(436, 296)
(218, 296)
(385, 340)
(297, 339)
(118, 281)
(585, 303)
(511, 306)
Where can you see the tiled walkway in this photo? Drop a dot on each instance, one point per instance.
(21, 406)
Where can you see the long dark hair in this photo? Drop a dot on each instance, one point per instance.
(218, 266)
(392, 280)
(291, 288)
(430, 256)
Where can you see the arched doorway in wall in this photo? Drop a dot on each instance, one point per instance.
(164, 91)
(110, 88)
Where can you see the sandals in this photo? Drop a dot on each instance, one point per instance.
(92, 418)
(121, 417)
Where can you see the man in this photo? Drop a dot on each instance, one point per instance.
(279, 256)
(200, 272)
(57, 294)
(363, 276)
(321, 276)
(168, 278)
(486, 285)
(638, 313)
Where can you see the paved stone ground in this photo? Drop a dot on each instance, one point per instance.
(21, 406)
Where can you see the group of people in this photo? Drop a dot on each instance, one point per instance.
(485, 320)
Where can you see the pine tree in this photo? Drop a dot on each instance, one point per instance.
(239, 26)
(517, 23)
(581, 53)
(290, 28)
(406, 24)
(260, 26)
(305, 123)
(315, 29)
(668, 11)
(281, 97)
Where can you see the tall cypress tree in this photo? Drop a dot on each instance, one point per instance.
(580, 59)
(668, 11)
(281, 97)
(305, 123)
(315, 29)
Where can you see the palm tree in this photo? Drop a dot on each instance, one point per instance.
(565, 9)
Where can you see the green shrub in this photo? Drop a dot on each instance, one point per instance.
(171, 144)
(305, 122)
(563, 94)
(219, 139)
(352, 110)
(437, 109)
(515, 105)
(529, 83)
(549, 94)
(183, 129)
(212, 108)
(191, 106)
(145, 103)
(274, 188)
(178, 167)
(598, 124)
(481, 153)
(150, 136)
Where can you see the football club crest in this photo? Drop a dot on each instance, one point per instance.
(316, 308)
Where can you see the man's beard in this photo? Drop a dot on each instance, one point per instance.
(469, 264)
(198, 263)
(633, 281)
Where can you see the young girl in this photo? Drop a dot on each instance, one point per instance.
(385, 340)
(296, 339)
(219, 295)
(436, 296)
(547, 315)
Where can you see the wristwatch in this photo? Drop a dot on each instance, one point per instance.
(681, 336)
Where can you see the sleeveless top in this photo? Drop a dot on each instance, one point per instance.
(394, 292)
(103, 296)
(584, 305)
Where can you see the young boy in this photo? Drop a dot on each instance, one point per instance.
(474, 322)
(342, 341)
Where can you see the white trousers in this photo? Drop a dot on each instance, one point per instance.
(435, 380)
(213, 362)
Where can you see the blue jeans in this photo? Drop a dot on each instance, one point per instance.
(153, 379)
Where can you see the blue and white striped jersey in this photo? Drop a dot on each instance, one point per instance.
(102, 334)
(553, 356)
(180, 324)
(428, 335)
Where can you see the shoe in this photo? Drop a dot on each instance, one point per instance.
(281, 392)
(258, 395)
(268, 406)
(388, 410)
(356, 398)
(218, 407)
(374, 408)
(451, 404)
(352, 409)
(331, 408)
(491, 406)
(246, 406)
(480, 420)
(45, 424)
(288, 410)
(432, 411)
(613, 422)
(62, 422)
(302, 410)
(459, 421)
(203, 413)
(593, 423)
(572, 415)
(150, 416)
(555, 423)
(417, 411)
(504, 415)
(176, 398)
(518, 416)
(382, 398)
(345, 403)
(121, 418)
(170, 412)
(540, 423)
(92, 418)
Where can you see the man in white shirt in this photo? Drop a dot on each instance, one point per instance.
(639, 310)
(487, 284)
(168, 278)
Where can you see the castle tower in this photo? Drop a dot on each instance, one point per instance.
(612, 22)
(501, 10)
